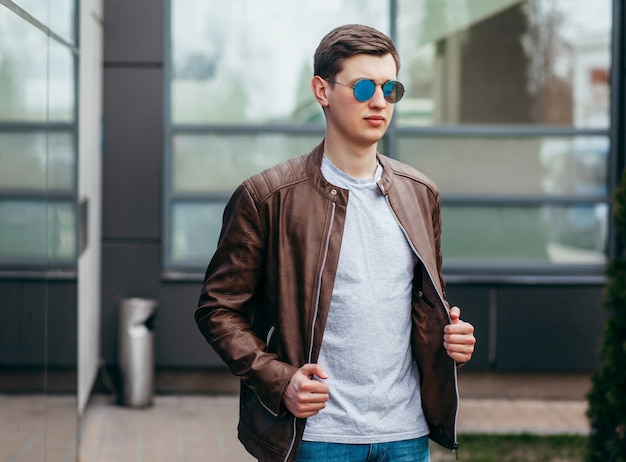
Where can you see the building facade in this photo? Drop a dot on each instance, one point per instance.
(125, 127)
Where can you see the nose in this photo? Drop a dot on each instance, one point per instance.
(378, 99)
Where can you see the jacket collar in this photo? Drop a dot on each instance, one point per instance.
(335, 193)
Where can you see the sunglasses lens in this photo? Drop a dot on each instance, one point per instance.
(364, 90)
(393, 91)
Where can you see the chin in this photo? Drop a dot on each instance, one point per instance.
(373, 137)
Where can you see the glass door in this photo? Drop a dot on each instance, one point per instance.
(38, 230)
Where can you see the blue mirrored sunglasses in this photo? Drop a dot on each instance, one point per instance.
(364, 89)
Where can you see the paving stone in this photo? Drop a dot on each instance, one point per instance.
(201, 428)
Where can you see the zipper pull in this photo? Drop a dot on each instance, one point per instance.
(455, 451)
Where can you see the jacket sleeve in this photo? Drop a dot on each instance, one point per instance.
(223, 315)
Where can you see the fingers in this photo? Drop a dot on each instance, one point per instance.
(459, 347)
(305, 395)
(455, 314)
(457, 326)
(458, 337)
(311, 370)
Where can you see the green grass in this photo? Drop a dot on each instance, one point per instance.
(514, 448)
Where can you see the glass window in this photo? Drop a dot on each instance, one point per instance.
(195, 230)
(36, 74)
(215, 165)
(218, 163)
(246, 61)
(240, 63)
(525, 235)
(500, 167)
(37, 161)
(37, 137)
(505, 62)
(38, 328)
(36, 231)
(58, 15)
(511, 72)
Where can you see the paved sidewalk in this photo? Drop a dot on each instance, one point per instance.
(194, 428)
(523, 403)
(511, 416)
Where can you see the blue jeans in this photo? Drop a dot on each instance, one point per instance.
(415, 450)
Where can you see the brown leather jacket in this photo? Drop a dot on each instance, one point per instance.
(267, 291)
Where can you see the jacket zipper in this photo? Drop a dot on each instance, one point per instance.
(315, 313)
(293, 441)
(319, 281)
(269, 335)
(456, 381)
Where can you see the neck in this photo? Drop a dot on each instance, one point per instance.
(358, 163)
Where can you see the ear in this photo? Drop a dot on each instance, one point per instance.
(319, 87)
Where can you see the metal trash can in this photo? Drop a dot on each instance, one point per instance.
(136, 351)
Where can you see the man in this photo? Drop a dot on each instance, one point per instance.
(325, 294)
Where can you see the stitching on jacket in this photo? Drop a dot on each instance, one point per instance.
(280, 187)
(272, 187)
(408, 176)
(406, 171)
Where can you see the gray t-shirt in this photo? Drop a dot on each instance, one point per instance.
(366, 350)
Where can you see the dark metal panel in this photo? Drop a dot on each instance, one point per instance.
(128, 270)
(549, 328)
(38, 322)
(133, 31)
(22, 323)
(62, 321)
(518, 328)
(179, 342)
(132, 153)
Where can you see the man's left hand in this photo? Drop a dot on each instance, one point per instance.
(458, 337)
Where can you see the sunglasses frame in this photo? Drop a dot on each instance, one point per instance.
(388, 97)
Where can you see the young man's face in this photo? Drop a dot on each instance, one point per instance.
(355, 122)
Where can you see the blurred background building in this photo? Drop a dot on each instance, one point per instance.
(126, 125)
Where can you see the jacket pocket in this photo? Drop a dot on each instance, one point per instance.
(422, 296)
(265, 435)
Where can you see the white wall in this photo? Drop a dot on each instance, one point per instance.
(90, 190)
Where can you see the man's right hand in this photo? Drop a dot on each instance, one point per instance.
(305, 395)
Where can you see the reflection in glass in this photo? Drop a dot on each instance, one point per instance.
(505, 62)
(575, 166)
(525, 235)
(218, 163)
(195, 230)
(37, 161)
(38, 318)
(37, 231)
(61, 83)
(59, 16)
(36, 74)
(250, 61)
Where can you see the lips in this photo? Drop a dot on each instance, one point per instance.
(375, 121)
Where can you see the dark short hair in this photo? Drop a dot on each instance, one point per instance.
(346, 41)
